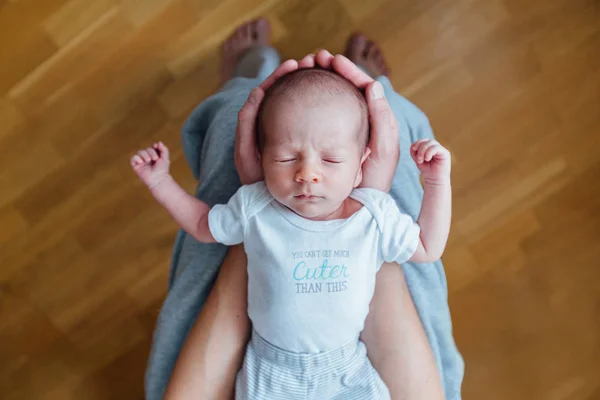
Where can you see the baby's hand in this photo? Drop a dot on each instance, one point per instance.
(433, 160)
(151, 165)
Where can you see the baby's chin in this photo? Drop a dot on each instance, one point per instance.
(318, 209)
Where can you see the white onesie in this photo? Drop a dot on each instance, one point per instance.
(310, 282)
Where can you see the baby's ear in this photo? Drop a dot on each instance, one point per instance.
(359, 175)
(365, 155)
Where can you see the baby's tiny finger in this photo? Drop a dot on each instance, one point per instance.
(144, 155)
(413, 151)
(418, 143)
(431, 152)
(153, 153)
(164, 151)
(423, 148)
(443, 153)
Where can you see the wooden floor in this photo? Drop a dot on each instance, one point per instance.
(511, 86)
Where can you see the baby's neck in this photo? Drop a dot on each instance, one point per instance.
(348, 207)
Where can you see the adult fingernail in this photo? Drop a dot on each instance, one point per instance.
(253, 98)
(377, 90)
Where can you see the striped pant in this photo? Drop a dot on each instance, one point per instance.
(270, 373)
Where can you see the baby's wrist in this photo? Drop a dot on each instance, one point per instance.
(443, 181)
(156, 183)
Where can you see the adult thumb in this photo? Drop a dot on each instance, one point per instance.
(384, 127)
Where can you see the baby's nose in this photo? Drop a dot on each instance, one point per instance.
(308, 174)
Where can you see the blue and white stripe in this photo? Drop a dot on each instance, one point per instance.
(271, 373)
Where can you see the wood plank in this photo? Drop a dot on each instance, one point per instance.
(22, 55)
(13, 224)
(73, 18)
(19, 168)
(511, 87)
(71, 61)
(218, 20)
(11, 117)
(24, 44)
(127, 134)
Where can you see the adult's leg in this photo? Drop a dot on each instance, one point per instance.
(208, 141)
(214, 350)
(396, 341)
(393, 342)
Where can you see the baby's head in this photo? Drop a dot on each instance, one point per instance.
(313, 128)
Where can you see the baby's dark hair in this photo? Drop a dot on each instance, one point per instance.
(304, 82)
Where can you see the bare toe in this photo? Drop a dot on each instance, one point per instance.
(355, 47)
(366, 54)
(247, 29)
(262, 31)
(371, 49)
(246, 36)
(380, 61)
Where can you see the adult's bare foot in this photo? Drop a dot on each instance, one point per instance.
(366, 54)
(246, 36)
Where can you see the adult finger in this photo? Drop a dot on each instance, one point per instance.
(384, 127)
(285, 68)
(381, 165)
(245, 142)
(350, 71)
(307, 62)
(324, 59)
(246, 157)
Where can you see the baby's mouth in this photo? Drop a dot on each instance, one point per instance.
(307, 197)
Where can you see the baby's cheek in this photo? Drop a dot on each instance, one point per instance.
(277, 182)
(340, 182)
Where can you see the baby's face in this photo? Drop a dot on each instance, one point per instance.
(312, 155)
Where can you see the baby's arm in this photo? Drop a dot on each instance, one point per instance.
(433, 160)
(151, 165)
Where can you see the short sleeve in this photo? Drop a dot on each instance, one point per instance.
(227, 222)
(399, 236)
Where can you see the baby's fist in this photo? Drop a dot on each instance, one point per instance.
(151, 165)
(433, 160)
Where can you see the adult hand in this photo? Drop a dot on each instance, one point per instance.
(378, 169)
(246, 155)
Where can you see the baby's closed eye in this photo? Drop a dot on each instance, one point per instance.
(285, 159)
(333, 160)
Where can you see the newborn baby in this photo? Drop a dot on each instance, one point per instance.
(312, 134)
(314, 240)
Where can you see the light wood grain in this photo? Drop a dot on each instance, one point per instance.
(512, 87)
